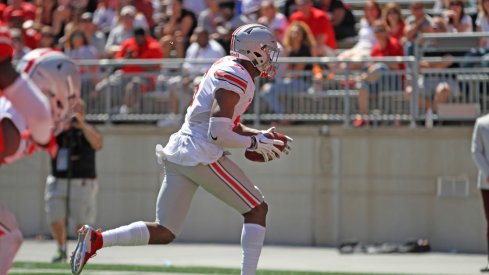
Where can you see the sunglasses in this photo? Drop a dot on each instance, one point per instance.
(380, 30)
(456, 3)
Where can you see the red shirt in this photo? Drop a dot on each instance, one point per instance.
(2, 8)
(319, 23)
(393, 48)
(31, 38)
(150, 49)
(28, 12)
(400, 32)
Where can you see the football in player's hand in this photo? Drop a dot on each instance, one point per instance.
(257, 157)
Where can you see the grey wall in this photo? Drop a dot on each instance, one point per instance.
(372, 185)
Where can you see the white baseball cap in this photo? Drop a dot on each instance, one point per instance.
(128, 10)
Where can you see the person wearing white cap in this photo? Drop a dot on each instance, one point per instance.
(129, 19)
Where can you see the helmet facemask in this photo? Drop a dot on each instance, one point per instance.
(269, 67)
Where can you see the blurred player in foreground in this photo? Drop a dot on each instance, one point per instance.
(33, 103)
(194, 156)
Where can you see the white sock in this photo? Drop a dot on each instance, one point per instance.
(252, 238)
(136, 233)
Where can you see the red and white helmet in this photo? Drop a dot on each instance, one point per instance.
(6, 50)
(57, 76)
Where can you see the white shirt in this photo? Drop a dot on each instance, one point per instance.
(366, 36)
(85, 52)
(139, 21)
(279, 22)
(117, 36)
(8, 111)
(104, 17)
(480, 150)
(213, 50)
(466, 20)
(482, 22)
(190, 146)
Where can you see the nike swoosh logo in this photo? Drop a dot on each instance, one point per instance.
(213, 138)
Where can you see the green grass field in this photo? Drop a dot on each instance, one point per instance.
(102, 269)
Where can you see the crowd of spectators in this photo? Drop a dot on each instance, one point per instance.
(88, 29)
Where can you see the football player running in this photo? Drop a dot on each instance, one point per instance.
(33, 105)
(194, 156)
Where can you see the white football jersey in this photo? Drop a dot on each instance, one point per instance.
(190, 146)
(8, 111)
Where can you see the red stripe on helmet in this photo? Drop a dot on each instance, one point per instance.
(33, 61)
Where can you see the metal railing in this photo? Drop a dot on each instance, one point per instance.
(330, 94)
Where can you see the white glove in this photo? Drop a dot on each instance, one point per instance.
(266, 146)
(160, 155)
(287, 148)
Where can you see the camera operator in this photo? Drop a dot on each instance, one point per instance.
(72, 187)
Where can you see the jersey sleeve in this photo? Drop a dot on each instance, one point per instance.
(231, 78)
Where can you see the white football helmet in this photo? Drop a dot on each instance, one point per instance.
(57, 76)
(257, 44)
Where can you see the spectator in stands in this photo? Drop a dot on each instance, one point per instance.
(456, 18)
(196, 6)
(179, 26)
(141, 46)
(30, 35)
(344, 22)
(95, 37)
(319, 23)
(78, 48)
(379, 76)
(20, 49)
(249, 8)
(24, 8)
(2, 8)
(181, 87)
(436, 88)
(139, 18)
(202, 48)
(298, 42)
(273, 19)
(104, 15)
(228, 21)
(74, 24)
(47, 38)
(145, 8)
(62, 16)
(482, 21)
(208, 18)
(366, 37)
(122, 32)
(418, 22)
(482, 25)
(392, 17)
(441, 5)
(45, 12)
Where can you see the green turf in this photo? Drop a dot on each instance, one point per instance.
(37, 268)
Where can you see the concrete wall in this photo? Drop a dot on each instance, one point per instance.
(372, 185)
